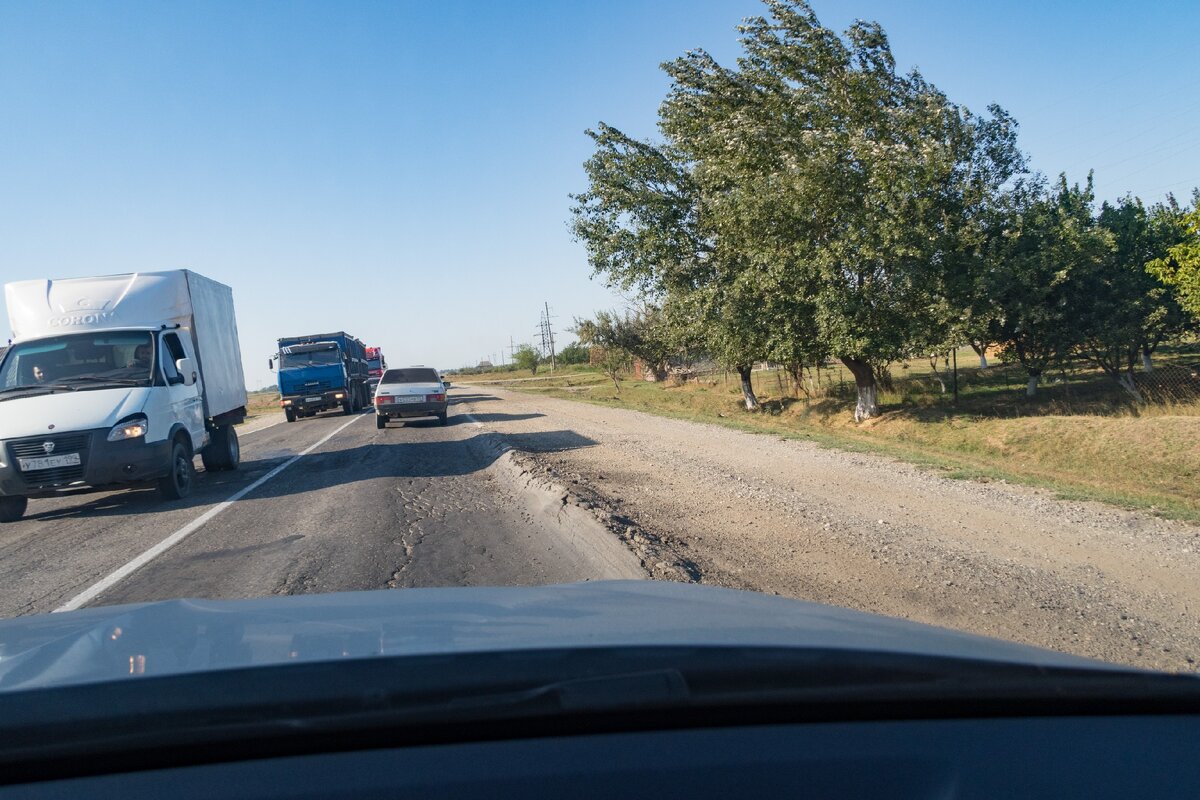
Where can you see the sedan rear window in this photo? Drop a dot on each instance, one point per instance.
(411, 375)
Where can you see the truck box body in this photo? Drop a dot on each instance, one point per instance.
(322, 371)
(146, 300)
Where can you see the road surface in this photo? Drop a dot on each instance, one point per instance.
(354, 508)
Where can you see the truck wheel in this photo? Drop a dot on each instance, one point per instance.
(12, 507)
(178, 482)
(290, 414)
(347, 406)
(223, 452)
(380, 422)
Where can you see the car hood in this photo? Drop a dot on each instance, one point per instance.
(179, 636)
(86, 409)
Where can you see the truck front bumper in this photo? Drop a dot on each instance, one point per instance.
(322, 401)
(101, 462)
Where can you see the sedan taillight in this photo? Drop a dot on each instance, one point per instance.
(434, 398)
(380, 399)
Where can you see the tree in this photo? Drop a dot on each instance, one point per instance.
(527, 357)
(1180, 268)
(1050, 248)
(1123, 311)
(642, 334)
(574, 353)
(815, 157)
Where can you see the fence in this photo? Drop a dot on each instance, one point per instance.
(925, 382)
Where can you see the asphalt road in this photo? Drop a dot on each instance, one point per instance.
(352, 508)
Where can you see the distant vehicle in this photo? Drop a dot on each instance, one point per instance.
(322, 372)
(376, 362)
(410, 393)
(372, 385)
(117, 380)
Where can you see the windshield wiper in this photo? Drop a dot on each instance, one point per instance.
(102, 379)
(41, 388)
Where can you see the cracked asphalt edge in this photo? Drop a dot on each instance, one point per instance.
(596, 521)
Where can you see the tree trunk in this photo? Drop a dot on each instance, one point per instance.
(1128, 384)
(1031, 387)
(981, 351)
(747, 388)
(1146, 363)
(868, 392)
(936, 376)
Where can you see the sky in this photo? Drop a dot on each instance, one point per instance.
(402, 170)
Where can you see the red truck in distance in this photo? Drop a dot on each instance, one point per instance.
(376, 363)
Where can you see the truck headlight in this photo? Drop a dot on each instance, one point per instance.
(129, 429)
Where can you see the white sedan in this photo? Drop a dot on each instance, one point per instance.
(410, 393)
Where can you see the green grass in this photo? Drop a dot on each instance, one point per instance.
(1081, 437)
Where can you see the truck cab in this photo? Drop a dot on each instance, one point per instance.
(321, 372)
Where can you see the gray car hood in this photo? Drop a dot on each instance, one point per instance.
(178, 636)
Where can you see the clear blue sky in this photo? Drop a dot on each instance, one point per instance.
(400, 170)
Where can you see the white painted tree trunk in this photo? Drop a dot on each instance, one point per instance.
(983, 360)
(1146, 363)
(748, 389)
(1031, 387)
(1127, 383)
(868, 403)
(868, 389)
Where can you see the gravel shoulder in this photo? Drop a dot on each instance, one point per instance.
(705, 503)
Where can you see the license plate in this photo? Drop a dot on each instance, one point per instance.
(412, 398)
(49, 462)
(312, 399)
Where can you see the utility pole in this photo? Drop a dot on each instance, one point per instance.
(548, 336)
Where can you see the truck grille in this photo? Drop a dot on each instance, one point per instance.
(32, 447)
(312, 387)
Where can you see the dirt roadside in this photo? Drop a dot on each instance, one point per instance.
(705, 503)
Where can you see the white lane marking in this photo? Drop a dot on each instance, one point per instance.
(110, 580)
(473, 421)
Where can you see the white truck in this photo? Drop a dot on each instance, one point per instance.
(117, 380)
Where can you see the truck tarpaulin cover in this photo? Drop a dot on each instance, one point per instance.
(41, 308)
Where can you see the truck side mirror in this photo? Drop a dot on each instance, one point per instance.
(187, 369)
(271, 364)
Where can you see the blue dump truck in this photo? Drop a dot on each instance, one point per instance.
(322, 372)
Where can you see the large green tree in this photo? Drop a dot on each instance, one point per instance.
(811, 191)
(1123, 312)
(818, 160)
(1050, 250)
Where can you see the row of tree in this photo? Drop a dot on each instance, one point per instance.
(812, 202)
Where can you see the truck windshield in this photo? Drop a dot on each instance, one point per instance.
(81, 359)
(303, 356)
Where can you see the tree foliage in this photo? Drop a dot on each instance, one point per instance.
(644, 335)
(1180, 267)
(527, 357)
(574, 353)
